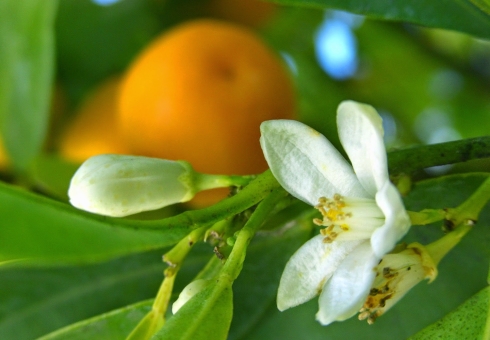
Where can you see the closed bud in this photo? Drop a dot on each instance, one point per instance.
(117, 185)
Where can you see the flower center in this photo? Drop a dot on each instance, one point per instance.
(348, 218)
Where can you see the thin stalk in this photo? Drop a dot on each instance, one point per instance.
(424, 156)
(469, 210)
(233, 265)
(249, 196)
(155, 319)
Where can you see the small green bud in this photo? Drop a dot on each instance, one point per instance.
(117, 185)
(231, 241)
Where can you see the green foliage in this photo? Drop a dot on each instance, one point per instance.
(207, 315)
(47, 299)
(95, 42)
(114, 325)
(51, 232)
(255, 314)
(468, 321)
(26, 74)
(459, 15)
(484, 5)
(52, 175)
(52, 272)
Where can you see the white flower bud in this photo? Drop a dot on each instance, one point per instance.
(116, 185)
(188, 292)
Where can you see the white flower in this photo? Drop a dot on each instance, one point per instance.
(396, 274)
(116, 185)
(362, 212)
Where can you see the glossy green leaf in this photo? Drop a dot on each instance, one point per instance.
(26, 74)
(114, 325)
(95, 289)
(465, 322)
(207, 315)
(458, 15)
(47, 299)
(43, 230)
(462, 273)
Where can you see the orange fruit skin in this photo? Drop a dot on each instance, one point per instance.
(200, 92)
(93, 130)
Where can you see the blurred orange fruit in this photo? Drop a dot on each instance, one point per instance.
(93, 130)
(199, 93)
(248, 12)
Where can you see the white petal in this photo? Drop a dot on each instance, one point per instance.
(308, 270)
(397, 221)
(346, 291)
(305, 163)
(115, 185)
(361, 134)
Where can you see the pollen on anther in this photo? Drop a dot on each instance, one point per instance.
(364, 315)
(327, 239)
(318, 221)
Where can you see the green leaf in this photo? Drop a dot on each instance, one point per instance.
(26, 73)
(207, 315)
(114, 325)
(466, 322)
(50, 232)
(47, 299)
(459, 15)
(40, 229)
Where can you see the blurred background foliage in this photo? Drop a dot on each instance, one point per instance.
(430, 85)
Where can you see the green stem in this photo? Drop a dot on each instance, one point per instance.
(182, 224)
(155, 319)
(438, 249)
(205, 181)
(233, 265)
(470, 209)
(177, 254)
(419, 157)
(426, 216)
